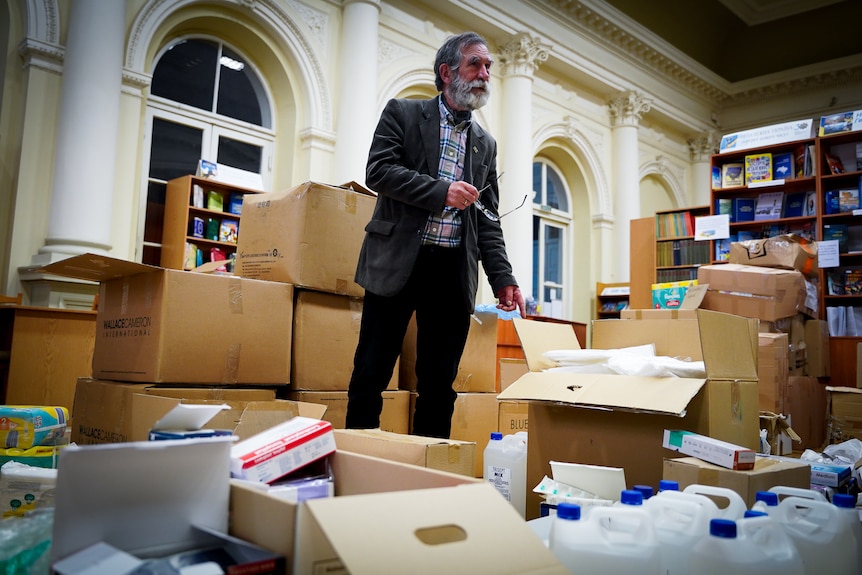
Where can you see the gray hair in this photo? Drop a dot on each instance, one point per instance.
(450, 53)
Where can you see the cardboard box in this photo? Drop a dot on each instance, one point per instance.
(751, 291)
(171, 326)
(779, 434)
(845, 413)
(444, 454)
(309, 236)
(325, 334)
(500, 543)
(618, 421)
(675, 313)
(786, 251)
(772, 372)
(116, 412)
(512, 416)
(473, 420)
(825, 474)
(807, 410)
(709, 449)
(510, 370)
(817, 348)
(282, 449)
(148, 499)
(477, 371)
(395, 416)
(767, 473)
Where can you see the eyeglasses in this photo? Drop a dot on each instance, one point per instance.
(488, 213)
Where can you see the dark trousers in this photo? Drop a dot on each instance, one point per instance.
(435, 294)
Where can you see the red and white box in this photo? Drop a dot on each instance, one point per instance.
(281, 449)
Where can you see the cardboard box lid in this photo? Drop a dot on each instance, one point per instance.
(97, 268)
(730, 345)
(462, 529)
(537, 337)
(140, 496)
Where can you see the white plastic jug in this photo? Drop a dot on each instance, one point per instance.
(769, 536)
(505, 467)
(822, 536)
(611, 541)
(736, 506)
(725, 552)
(766, 501)
(847, 505)
(710, 509)
(679, 523)
(567, 528)
(787, 491)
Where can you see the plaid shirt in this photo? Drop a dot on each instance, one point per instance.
(444, 228)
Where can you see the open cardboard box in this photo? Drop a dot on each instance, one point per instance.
(111, 412)
(619, 421)
(148, 499)
(380, 509)
(159, 325)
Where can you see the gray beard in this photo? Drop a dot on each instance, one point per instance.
(462, 97)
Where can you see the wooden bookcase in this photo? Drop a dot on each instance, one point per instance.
(180, 214)
(615, 295)
(814, 223)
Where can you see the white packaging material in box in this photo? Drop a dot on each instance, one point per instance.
(710, 450)
(282, 449)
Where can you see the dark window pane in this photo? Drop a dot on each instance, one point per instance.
(186, 73)
(155, 212)
(556, 192)
(175, 150)
(537, 183)
(553, 253)
(240, 155)
(537, 226)
(236, 94)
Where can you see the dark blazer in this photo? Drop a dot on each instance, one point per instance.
(402, 169)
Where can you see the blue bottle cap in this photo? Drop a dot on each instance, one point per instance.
(668, 485)
(631, 497)
(645, 490)
(571, 511)
(724, 528)
(768, 497)
(496, 435)
(844, 500)
(752, 513)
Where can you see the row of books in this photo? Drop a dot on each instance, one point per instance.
(768, 206)
(848, 236)
(843, 200)
(195, 256)
(215, 200)
(674, 225)
(224, 230)
(681, 275)
(615, 305)
(722, 247)
(766, 167)
(681, 253)
(844, 281)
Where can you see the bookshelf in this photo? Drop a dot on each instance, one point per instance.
(209, 222)
(611, 299)
(822, 218)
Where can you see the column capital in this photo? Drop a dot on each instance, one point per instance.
(628, 108)
(703, 145)
(522, 55)
(38, 54)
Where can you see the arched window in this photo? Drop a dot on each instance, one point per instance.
(206, 102)
(551, 221)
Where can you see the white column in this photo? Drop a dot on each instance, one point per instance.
(86, 144)
(701, 147)
(357, 89)
(625, 111)
(518, 61)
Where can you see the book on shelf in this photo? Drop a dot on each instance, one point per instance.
(758, 168)
(848, 200)
(783, 166)
(805, 231)
(724, 206)
(190, 257)
(810, 204)
(716, 177)
(836, 232)
(228, 231)
(794, 207)
(732, 174)
(768, 206)
(859, 157)
(745, 235)
(235, 203)
(743, 209)
(834, 163)
(799, 155)
(215, 201)
(840, 122)
(722, 249)
(197, 196)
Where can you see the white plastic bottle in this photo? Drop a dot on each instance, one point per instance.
(567, 530)
(736, 506)
(770, 537)
(723, 552)
(787, 491)
(505, 467)
(679, 523)
(822, 536)
(847, 505)
(613, 540)
(710, 508)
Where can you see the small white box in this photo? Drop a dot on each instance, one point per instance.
(282, 449)
(710, 450)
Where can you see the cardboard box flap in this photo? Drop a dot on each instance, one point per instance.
(729, 344)
(176, 484)
(188, 417)
(537, 337)
(665, 395)
(97, 268)
(465, 529)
